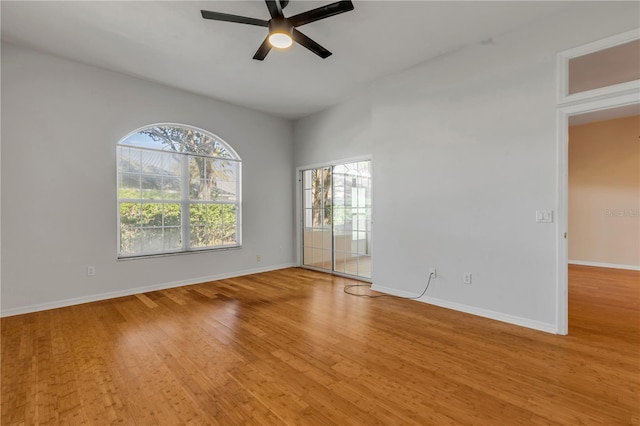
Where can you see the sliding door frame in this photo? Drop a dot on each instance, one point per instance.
(299, 235)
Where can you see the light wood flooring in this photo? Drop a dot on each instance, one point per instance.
(289, 347)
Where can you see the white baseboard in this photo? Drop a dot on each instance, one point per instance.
(498, 316)
(393, 291)
(136, 290)
(604, 265)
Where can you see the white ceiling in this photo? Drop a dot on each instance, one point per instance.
(168, 42)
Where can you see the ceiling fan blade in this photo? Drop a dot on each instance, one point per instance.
(217, 16)
(321, 13)
(310, 44)
(264, 48)
(275, 9)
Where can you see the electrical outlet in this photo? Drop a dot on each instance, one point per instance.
(91, 271)
(432, 272)
(466, 278)
(258, 258)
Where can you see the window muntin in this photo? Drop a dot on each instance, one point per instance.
(178, 191)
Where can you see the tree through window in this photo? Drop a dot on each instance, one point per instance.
(178, 190)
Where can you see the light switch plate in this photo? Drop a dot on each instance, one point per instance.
(544, 216)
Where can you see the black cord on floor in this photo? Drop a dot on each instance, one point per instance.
(375, 296)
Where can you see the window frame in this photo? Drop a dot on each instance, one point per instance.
(185, 201)
(563, 58)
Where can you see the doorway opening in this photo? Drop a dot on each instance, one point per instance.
(336, 219)
(603, 202)
(595, 79)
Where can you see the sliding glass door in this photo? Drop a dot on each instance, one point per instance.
(352, 218)
(336, 206)
(317, 201)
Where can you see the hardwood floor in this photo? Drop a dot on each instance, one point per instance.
(289, 347)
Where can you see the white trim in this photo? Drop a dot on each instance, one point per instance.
(563, 114)
(394, 291)
(563, 95)
(298, 217)
(562, 200)
(136, 290)
(627, 87)
(498, 316)
(357, 159)
(604, 265)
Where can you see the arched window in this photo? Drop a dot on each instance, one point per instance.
(178, 191)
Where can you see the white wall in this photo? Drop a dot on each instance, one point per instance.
(338, 133)
(60, 124)
(464, 152)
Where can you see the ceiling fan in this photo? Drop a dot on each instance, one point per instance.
(282, 31)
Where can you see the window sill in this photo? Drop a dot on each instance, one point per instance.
(178, 253)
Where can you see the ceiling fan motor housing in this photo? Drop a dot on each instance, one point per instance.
(280, 25)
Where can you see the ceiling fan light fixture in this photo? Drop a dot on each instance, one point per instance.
(280, 40)
(280, 33)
